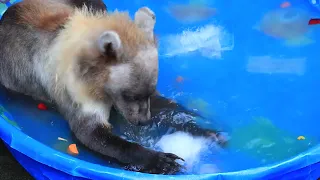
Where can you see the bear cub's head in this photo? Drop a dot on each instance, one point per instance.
(122, 66)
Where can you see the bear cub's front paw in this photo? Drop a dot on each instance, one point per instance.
(156, 162)
(164, 163)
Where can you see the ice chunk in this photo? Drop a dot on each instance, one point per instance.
(210, 41)
(185, 146)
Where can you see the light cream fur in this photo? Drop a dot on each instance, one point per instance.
(151, 66)
(119, 77)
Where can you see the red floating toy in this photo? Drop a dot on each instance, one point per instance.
(42, 106)
(314, 21)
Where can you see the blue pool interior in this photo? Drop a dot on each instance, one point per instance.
(251, 66)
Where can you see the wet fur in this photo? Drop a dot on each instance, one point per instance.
(46, 53)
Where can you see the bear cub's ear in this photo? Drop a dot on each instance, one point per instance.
(109, 44)
(145, 19)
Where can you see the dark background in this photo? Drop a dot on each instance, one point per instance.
(10, 169)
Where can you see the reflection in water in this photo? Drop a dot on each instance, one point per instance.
(268, 64)
(285, 23)
(290, 24)
(191, 13)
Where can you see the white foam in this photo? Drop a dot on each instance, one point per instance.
(185, 146)
(210, 41)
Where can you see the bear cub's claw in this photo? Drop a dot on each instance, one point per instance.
(159, 163)
(166, 163)
(163, 163)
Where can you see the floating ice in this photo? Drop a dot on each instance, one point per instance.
(191, 149)
(210, 41)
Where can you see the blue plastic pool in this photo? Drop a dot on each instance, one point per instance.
(253, 66)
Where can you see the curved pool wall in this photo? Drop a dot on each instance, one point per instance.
(43, 162)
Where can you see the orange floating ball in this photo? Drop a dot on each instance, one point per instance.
(285, 4)
(179, 79)
(73, 150)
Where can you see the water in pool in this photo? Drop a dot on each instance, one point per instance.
(256, 143)
(254, 72)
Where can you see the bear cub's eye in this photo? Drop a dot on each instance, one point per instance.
(127, 97)
(135, 97)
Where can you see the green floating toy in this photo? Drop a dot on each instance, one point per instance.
(3, 112)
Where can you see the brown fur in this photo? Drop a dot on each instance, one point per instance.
(44, 15)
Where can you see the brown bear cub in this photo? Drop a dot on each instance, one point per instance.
(85, 61)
